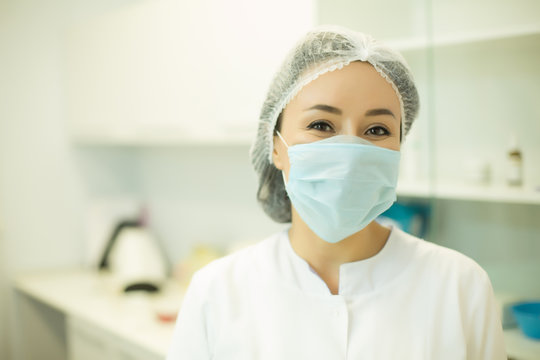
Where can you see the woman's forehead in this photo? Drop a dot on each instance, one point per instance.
(358, 84)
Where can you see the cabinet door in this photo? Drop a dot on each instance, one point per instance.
(486, 86)
(127, 353)
(460, 18)
(85, 342)
(173, 70)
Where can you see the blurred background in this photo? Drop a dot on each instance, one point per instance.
(144, 111)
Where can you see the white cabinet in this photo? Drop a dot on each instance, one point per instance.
(159, 71)
(79, 314)
(466, 19)
(486, 87)
(476, 67)
(85, 341)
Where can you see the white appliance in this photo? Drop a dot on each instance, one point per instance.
(134, 259)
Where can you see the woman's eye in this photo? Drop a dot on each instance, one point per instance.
(320, 126)
(377, 131)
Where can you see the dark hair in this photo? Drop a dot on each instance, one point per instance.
(272, 189)
(278, 123)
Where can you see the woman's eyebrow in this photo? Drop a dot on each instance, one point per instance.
(335, 110)
(382, 111)
(323, 107)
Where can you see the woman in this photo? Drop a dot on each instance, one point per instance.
(336, 284)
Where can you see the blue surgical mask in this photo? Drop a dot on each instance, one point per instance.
(340, 184)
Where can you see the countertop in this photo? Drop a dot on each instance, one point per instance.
(92, 297)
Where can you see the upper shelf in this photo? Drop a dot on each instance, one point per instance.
(421, 43)
(160, 136)
(498, 194)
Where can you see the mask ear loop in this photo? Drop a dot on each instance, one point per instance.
(284, 142)
(282, 139)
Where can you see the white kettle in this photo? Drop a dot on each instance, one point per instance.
(134, 258)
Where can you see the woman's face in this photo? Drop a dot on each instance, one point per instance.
(355, 100)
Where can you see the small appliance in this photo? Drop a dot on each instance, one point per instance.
(133, 257)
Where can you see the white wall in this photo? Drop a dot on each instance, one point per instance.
(195, 194)
(41, 193)
(3, 294)
(203, 194)
(39, 190)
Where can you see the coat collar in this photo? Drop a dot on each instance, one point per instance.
(355, 278)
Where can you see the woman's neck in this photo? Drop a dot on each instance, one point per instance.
(326, 258)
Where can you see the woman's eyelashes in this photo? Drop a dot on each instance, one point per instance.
(377, 131)
(321, 125)
(325, 126)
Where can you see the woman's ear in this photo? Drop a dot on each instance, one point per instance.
(276, 154)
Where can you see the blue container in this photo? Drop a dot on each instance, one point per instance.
(527, 315)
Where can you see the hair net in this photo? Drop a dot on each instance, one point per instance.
(323, 49)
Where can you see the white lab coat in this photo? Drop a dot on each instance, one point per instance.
(412, 300)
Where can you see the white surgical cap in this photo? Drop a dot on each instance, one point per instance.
(325, 48)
